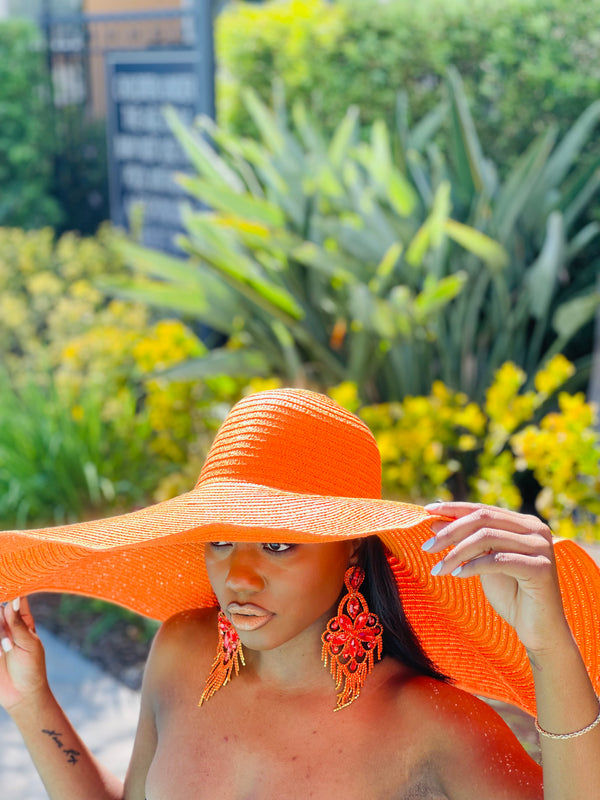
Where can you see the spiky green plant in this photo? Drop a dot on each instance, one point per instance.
(387, 262)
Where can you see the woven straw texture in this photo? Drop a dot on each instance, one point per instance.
(293, 466)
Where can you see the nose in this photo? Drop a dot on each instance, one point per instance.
(243, 575)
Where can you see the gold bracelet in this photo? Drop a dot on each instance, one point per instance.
(573, 735)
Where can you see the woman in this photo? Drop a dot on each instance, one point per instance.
(284, 521)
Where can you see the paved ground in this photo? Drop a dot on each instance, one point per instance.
(103, 711)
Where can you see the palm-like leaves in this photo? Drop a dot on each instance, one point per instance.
(381, 262)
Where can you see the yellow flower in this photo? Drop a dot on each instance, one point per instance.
(44, 283)
(507, 382)
(13, 311)
(554, 374)
(346, 394)
(467, 442)
(83, 290)
(263, 385)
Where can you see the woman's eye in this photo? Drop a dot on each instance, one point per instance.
(220, 544)
(277, 547)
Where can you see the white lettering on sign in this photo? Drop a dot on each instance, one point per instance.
(150, 87)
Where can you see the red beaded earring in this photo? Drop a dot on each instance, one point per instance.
(229, 655)
(350, 641)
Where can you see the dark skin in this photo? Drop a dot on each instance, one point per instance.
(263, 739)
(272, 732)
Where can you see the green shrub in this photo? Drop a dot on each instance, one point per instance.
(26, 141)
(527, 64)
(60, 460)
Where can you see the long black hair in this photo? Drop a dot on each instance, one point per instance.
(381, 593)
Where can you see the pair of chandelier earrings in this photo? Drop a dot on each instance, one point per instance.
(352, 641)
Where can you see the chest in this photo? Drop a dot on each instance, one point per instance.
(237, 749)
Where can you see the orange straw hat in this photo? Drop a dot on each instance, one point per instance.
(293, 466)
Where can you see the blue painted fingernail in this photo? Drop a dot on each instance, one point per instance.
(428, 544)
(437, 568)
(456, 571)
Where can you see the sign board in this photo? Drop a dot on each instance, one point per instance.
(143, 154)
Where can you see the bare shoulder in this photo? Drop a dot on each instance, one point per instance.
(186, 640)
(471, 748)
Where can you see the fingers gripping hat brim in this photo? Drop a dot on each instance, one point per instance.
(470, 642)
(293, 466)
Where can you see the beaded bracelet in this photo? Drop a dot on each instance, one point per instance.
(587, 729)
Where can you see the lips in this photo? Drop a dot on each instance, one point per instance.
(248, 616)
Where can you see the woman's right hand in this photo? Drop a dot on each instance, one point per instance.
(22, 660)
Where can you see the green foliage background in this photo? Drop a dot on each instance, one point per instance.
(25, 144)
(525, 63)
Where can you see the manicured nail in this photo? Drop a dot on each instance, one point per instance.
(17, 603)
(432, 506)
(456, 571)
(7, 645)
(437, 568)
(428, 544)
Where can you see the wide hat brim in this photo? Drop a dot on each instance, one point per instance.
(152, 561)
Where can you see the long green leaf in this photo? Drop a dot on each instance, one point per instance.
(240, 204)
(574, 314)
(385, 269)
(160, 265)
(425, 130)
(571, 146)
(581, 240)
(312, 139)
(219, 361)
(325, 262)
(520, 184)
(212, 246)
(582, 200)
(204, 157)
(216, 312)
(291, 357)
(488, 250)
(264, 119)
(437, 294)
(344, 136)
(467, 142)
(542, 275)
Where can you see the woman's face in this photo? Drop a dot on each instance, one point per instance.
(273, 592)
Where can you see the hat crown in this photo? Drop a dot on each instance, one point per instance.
(296, 441)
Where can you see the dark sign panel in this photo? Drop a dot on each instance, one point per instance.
(143, 153)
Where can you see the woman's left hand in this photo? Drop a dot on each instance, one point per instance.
(513, 556)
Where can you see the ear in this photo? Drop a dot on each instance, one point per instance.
(356, 545)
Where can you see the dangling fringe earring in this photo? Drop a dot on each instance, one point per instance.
(350, 641)
(229, 655)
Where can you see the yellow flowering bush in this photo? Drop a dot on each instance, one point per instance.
(422, 440)
(47, 293)
(563, 454)
(507, 409)
(104, 358)
(203, 428)
(443, 446)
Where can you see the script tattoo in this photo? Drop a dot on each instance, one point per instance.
(533, 661)
(72, 755)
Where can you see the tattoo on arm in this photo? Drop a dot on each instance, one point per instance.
(71, 755)
(533, 662)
